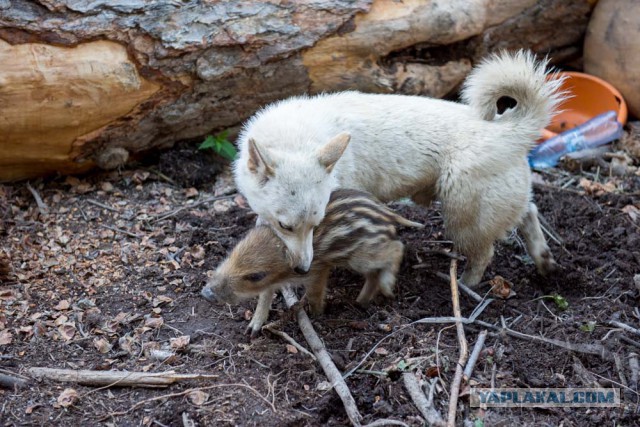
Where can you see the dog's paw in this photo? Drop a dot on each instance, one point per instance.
(547, 264)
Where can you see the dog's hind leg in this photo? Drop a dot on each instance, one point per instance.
(536, 244)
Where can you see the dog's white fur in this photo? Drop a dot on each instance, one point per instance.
(472, 159)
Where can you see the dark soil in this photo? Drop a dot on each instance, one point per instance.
(129, 259)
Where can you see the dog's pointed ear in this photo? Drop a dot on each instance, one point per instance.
(258, 163)
(331, 152)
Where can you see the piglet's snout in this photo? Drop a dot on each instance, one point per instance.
(208, 294)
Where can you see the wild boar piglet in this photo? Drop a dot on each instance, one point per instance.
(357, 232)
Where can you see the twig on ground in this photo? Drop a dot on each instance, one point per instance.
(102, 205)
(462, 286)
(620, 369)
(630, 341)
(624, 326)
(119, 378)
(634, 366)
(119, 230)
(462, 342)
(475, 353)
(329, 368)
(182, 393)
(288, 339)
(174, 212)
(42, 207)
(424, 405)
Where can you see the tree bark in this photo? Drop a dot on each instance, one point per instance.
(94, 82)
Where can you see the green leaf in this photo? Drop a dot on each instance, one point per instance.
(590, 326)
(561, 303)
(227, 150)
(478, 423)
(209, 142)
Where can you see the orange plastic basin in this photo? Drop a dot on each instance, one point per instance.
(591, 96)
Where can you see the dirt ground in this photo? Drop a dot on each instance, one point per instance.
(106, 275)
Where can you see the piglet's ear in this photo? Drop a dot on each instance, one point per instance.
(258, 163)
(331, 152)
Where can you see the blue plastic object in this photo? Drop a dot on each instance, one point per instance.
(593, 133)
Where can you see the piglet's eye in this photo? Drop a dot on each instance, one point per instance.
(255, 277)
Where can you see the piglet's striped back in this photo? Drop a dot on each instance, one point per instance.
(354, 218)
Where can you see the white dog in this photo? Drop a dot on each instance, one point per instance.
(471, 157)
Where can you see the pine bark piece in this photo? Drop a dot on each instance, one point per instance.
(97, 82)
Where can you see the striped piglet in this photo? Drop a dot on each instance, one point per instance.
(357, 232)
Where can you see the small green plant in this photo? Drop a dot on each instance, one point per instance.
(590, 326)
(220, 144)
(559, 301)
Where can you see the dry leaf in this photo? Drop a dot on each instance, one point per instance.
(62, 305)
(248, 314)
(501, 287)
(161, 299)
(597, 188)
(68, 397)
(102, 345)
(323, 386)
(191, 192)
(197, 252)
(432, 372)
(292, 349)
(154, 322)
(198, 397)
(382, 351)
(180, 343)
(632, 211)
(6, 337)
(67, 330)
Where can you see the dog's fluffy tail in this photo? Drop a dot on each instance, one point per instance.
(517, 81)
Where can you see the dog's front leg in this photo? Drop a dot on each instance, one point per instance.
(536, 244)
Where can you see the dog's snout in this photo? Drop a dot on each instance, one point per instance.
(300, 270)
(208, 294)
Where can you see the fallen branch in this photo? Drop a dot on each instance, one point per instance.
(462, 341)
(329, 368)
(120, 230)
(634, 366)
(114, 378)
(475, 353)
(424, 405)
(11, 381)
(166, 215)
(102, 205)
(288, 339)
(462, 286)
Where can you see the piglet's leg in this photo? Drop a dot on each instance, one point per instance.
(261, 313)
(317, 290)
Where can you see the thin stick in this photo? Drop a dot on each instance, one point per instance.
(426, 408)
(330, 370)
(160, 217)
(475, 353)
(462, 286)
(624, 326)
(119, 230)
(42, 207)
(634, 366)
(182, 393)
(288, 339)
(102, 205)
(462, 341)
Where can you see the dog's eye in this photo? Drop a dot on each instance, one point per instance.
(255, 277)
(285, 227)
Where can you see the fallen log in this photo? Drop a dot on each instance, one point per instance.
(85, 83)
